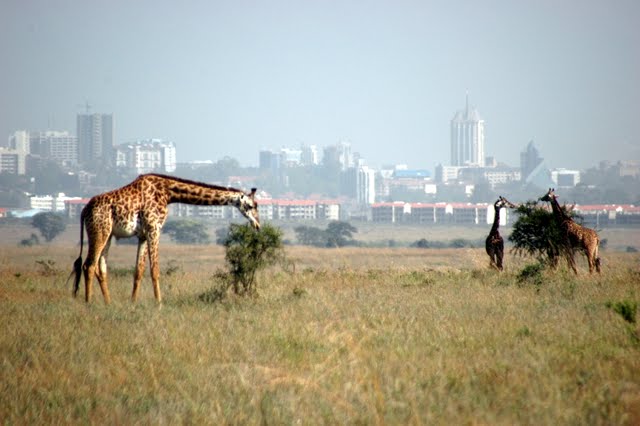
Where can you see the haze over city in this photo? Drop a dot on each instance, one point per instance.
(227, 78)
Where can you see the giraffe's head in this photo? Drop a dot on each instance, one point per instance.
(549, 196)
(248, 206)
(503, 202)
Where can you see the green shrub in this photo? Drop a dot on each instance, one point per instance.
(248, 251)
(531, 274)
(627, 309)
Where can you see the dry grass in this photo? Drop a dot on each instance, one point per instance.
(351, 335)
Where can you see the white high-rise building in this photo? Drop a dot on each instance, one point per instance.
(310, 155)
(365, 185)
(153, 155)
(467, 138)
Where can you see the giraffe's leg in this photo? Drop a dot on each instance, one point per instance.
(101, 272)
(97, 243)
(153, 241)
(140, 260)
(572, 262)
(499, 256)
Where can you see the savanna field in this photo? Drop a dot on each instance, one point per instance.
(391, 335)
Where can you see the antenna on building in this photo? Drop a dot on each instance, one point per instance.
(467, 103)
(87, 107)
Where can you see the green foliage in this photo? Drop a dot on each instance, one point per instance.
(340, 234)
(311, 236)
(531, 274)
(48, 267)
(248, 251)
(537, 234)
(627, 309)
(33, 240)
(49, 224)
(186, 232)
(337, 234)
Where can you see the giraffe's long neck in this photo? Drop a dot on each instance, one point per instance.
(188, 192)
(560, 215)
(496, 220)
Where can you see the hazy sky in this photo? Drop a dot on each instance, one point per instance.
(227, 78)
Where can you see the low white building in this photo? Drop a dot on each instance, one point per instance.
(50, 203)
(152, 155)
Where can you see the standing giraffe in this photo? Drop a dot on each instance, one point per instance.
(140, 209)
(576, 236)
(494, 243)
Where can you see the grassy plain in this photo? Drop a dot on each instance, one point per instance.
(356, 335)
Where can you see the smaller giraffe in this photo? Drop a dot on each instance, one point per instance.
(576, 236)
(140, 209)
(494, 243)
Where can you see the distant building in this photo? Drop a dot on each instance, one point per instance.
(51, 203)
(529, 160)
(13, 157)
(290, 157)
(310, 155)
(467, 138)
(564, 178)
(268, 209)
(339, 154)
(269, 160)
(152, 155)
(95, 138)
(444, 174)
(365, 185)
(59, 146)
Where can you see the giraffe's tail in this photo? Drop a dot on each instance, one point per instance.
(77, 265)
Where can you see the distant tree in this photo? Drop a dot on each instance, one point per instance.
(311, 236)
(340, 234)
(221, 235)
(49, 224)
(186, 232)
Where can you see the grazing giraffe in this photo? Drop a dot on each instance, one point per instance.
(140, 209)
(576, 236)
(494, 243)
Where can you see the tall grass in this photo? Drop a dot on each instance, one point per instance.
(350, 336)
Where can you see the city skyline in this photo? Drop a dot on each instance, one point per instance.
(226, 79)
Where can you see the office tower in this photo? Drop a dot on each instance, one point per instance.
(529, 160)
(467, 138)
(58, 146)
(95, 138)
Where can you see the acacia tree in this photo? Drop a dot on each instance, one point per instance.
(340, 234)
(49, 224)
(536, 233)
(186, 232)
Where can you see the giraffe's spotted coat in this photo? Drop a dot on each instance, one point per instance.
(140, 209)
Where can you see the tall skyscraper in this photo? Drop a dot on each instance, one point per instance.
(95, 138)
(529, 160)
(467, 138)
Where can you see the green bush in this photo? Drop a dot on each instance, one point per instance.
(627, 309)
(531, 274)
(248, 251)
